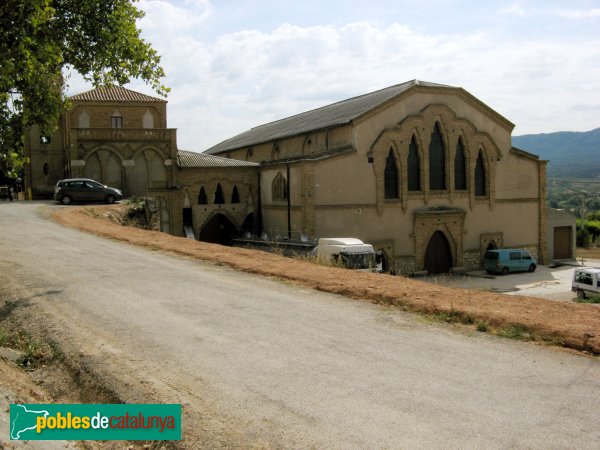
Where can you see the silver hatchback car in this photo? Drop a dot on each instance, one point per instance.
(84, 190)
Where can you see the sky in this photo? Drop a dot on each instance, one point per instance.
(235, 64)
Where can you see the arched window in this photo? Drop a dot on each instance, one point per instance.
(202, 200)
(390, 176)
(219, 198)
(279, 188)
(480, 176)
(414, 166)
(437, 160)
(460, 172)
(235, 195)
(249, 153)
(275, 152)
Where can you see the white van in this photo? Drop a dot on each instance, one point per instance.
(351, 253)
(586, 282)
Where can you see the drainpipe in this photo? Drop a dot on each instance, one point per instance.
(289, 204)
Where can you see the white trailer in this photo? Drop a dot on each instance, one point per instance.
(350, 253)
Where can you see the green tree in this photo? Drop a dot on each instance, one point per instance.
(42, 40)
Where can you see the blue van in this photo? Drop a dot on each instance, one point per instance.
(508, 260)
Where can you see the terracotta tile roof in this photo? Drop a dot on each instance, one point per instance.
(188, 159)
(114, 94)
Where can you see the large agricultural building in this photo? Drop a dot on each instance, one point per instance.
(424, 172)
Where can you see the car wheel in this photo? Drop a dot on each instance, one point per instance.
(110, 199)
(66, 200)
(505, 271)
(580, 294)
(532, 268)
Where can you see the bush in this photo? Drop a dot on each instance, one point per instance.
(583, 238)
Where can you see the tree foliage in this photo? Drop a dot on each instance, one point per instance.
(41, 39)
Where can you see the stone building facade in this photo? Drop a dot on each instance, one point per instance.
(424, 172)
(113, 135)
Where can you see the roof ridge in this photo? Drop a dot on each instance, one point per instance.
(114, 93)
(337, 103)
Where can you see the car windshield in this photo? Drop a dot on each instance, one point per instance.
(358, 260)
(491, 255)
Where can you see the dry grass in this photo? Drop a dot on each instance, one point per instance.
(570, 324)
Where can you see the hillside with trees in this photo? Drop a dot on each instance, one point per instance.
(571, 154)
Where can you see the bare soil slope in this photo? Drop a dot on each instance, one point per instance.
(571, 325)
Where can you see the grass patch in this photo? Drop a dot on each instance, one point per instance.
(454, 316)
(34, 353)
(519, 332)
(483, 326)
(592, 299)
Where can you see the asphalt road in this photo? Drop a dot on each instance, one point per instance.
(550, 283)
(287, 366)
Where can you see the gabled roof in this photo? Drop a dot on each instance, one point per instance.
(186, 159)
(336, 114)
(115, 94)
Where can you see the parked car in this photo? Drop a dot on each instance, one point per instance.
(84, 190)
(586, 282)
(508, 260)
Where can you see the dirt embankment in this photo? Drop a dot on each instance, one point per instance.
(571, 325)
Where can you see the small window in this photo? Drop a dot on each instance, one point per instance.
(275, 154)
(279, 188)
(414, 166)
(202, 200)
(584, 278)
(219, 197)
(116, 121)
(235, 195)
(45, 139)
(525, 256)
(390, 176)
(515, 256)
(460, 172)
(480, 176)
(46, 169)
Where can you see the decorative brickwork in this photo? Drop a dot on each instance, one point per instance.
(449, 222)
(421, 126)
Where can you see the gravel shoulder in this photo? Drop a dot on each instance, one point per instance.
(570, 325)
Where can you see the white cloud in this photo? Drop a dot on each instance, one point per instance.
(513, 10)
(164, 19)
(249, 77)
(579, 13)
(238, 80)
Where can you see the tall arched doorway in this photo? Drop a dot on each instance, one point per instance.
(218, 230)
(438, 257)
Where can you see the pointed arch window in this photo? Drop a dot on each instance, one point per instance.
(275, 154)
(414, 166)
(219, 197)
(279, 187)
(480, 184)
(390, 176)
(202, 200)
(437, 160)
(235, 195)
(460, 167)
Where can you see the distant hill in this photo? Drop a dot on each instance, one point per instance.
(571, 154)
